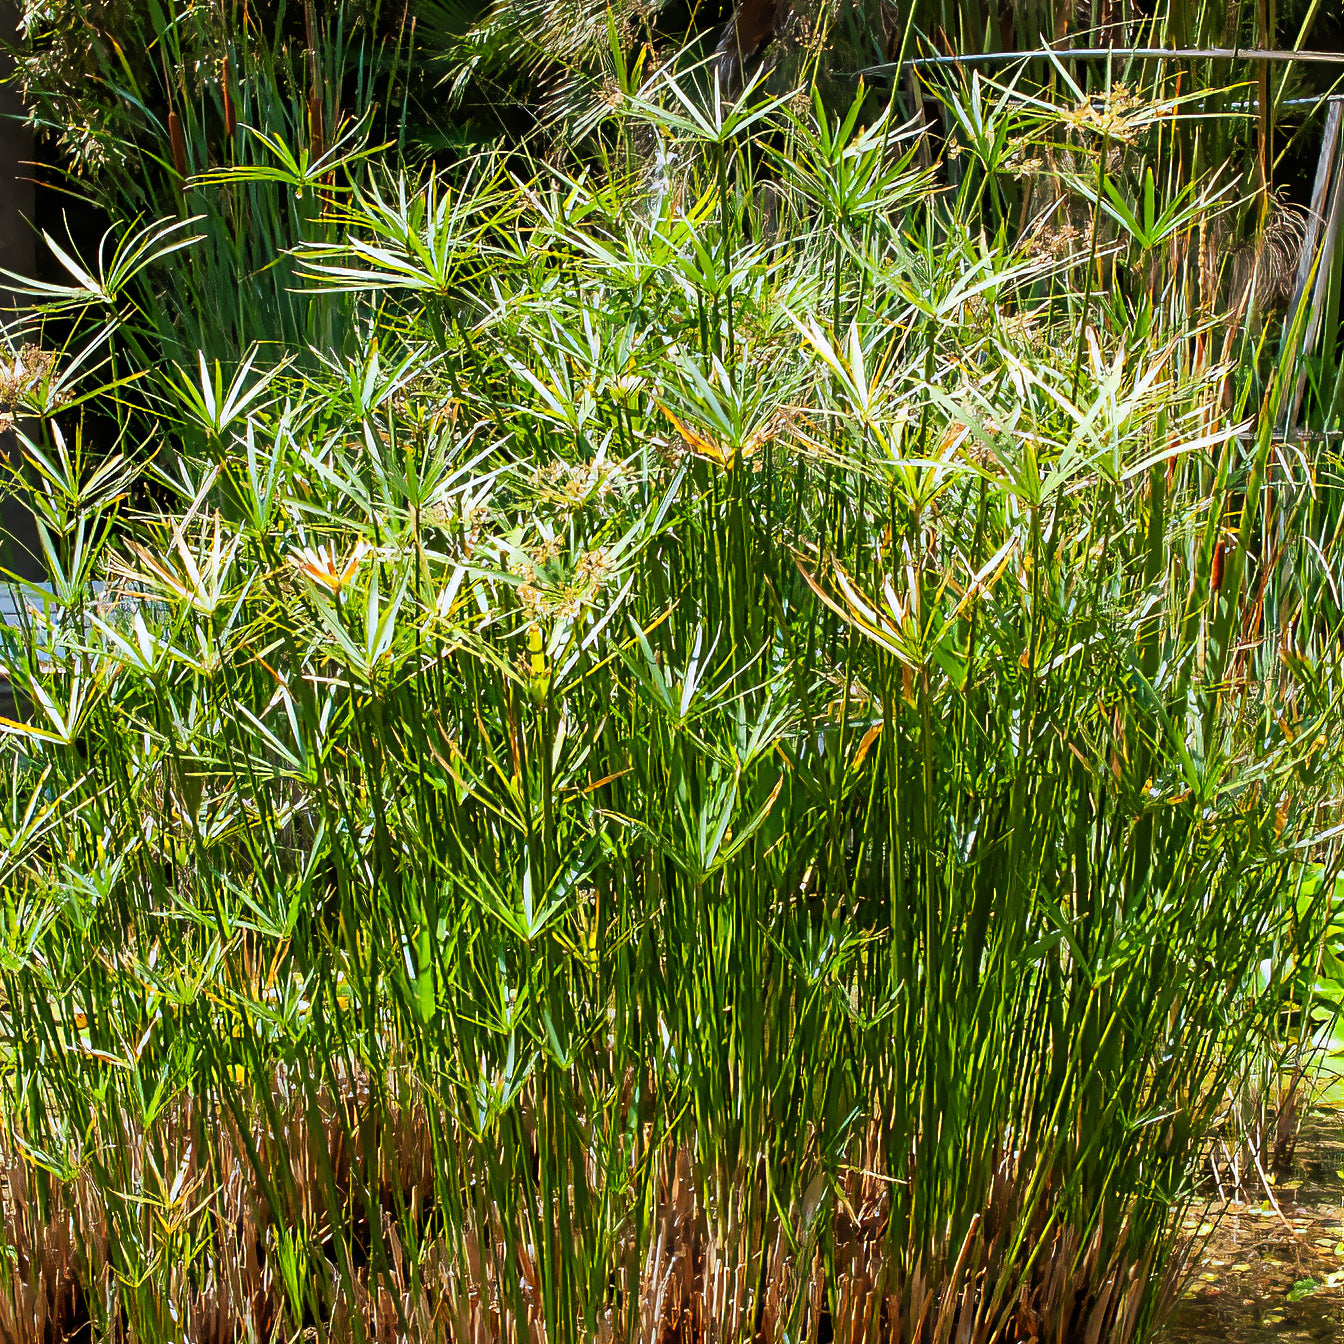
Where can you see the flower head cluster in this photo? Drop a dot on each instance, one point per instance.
(563, 598)
(569, 487)
(22, 376)
(1117, 115)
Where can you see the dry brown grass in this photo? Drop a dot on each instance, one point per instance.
(835, 1268)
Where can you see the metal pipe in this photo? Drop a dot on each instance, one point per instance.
(1108, 53)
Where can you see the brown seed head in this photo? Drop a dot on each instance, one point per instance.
(179, 145)
(230, 116)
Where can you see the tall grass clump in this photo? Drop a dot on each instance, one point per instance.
(148, 104)
(737, 764)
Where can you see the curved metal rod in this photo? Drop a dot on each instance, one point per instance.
(1105, 53)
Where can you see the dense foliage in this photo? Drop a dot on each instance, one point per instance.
(716, 741)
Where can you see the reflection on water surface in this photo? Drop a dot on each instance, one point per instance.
(1274, 1276)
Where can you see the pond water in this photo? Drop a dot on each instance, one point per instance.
(1267, 1275)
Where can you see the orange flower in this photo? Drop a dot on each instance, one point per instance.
(322, 567)
(722, 455)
